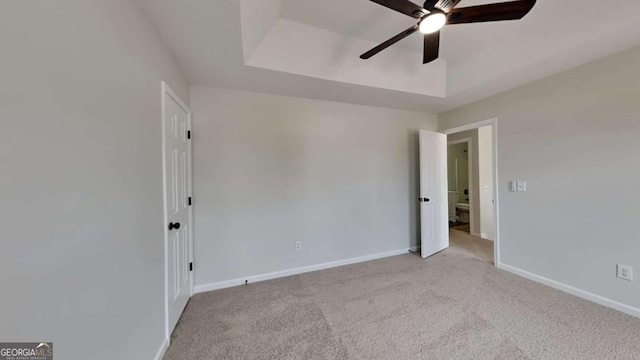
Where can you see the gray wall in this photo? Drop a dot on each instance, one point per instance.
(272, 170)
(574, 137)
(81, 256)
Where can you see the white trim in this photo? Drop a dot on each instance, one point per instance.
(190, 191)
(166, 90)
(167, 335)
(459, 141)
(496, 221)
(295, 271)
(616, 305)
(470, 126)
(162, 350)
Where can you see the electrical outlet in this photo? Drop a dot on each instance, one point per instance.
(298, 245)
(625, 272)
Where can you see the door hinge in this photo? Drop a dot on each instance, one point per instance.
(190, 266)
(188, 134)
(189, 200)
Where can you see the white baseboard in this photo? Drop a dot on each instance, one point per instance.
(278, 274)
(616, 305)
(482, 236)
(162, 350)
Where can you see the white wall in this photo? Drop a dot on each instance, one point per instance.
(81, 256)
(272, 170)
(572, 136)
(485, 181)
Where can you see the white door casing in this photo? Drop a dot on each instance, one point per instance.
(496, 201)
(434, 227)
(176, 144)
(485, 177)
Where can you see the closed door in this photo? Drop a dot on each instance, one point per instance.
(434, 227)
(177, 180)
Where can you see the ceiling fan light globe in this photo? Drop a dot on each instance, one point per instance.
(433, 23)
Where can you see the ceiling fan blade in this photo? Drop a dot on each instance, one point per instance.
(431, 47)
(513, 10)
(404, 6)
(389, 42)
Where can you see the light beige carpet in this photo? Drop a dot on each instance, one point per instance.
(462, 243)
(450, 306)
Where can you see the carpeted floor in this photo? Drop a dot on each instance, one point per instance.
(462, 243)
(451, 306)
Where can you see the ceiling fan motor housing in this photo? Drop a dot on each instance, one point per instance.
(438, 4)
(419, 14)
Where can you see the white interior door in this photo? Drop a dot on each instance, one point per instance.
(177, 193)
(434, 233)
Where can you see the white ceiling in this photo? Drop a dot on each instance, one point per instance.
(310, 48)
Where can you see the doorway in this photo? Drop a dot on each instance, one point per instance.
(178, 213)
(459, 181)
(473, 218)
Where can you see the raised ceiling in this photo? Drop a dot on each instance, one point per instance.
(310, 48)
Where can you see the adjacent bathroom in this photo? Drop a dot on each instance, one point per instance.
(458, 178)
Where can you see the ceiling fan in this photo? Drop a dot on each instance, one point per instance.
(435, 14)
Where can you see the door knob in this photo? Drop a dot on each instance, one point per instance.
(424, 199)
(174, 226)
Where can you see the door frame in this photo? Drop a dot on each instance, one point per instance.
(494, 149)
(469, 142)
(166, 91)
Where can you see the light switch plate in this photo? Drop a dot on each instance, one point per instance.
(521, 185)
(514, 186)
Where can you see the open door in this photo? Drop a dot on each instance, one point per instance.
(434, 233)
(176, 143)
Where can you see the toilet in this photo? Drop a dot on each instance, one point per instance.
(462, 211)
